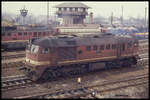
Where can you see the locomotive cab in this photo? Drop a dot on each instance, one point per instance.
(36, 55)
(36, 59)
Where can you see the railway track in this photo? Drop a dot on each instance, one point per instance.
(13, 56)
(14, 82)
(13, 63)
(87, 90)
(17, 82)
(13, 53)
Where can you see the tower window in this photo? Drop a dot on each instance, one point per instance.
(70, 9)
(59, 9)
(65, 9)
(83, 9)
(76, 9)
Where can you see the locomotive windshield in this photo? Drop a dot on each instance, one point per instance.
(34, 48)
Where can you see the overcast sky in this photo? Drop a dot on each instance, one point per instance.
(134, 9)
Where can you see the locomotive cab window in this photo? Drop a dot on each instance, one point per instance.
(34, 49)
(28, 47)
(45, 50)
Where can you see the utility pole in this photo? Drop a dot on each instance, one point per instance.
(145, 14)
(122, 16)
(112, 18)
(47, 13)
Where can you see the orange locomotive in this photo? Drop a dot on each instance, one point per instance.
(55, 56)
(16, 37)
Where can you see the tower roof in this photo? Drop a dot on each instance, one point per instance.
(75, 5)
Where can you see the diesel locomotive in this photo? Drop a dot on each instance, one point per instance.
(16, 37)
(51, 57)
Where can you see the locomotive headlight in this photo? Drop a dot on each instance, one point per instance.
(135, 44)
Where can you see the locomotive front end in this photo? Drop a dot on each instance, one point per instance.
(37, 59)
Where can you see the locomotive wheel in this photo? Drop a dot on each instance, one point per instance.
(46, 75)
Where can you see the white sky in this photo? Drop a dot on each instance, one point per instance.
(134, 9)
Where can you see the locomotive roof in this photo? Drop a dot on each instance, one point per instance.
(71, 41)
(41, 30)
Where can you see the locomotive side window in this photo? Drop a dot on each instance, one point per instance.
(9, 34)
(113, 46)
(95, 47)
(39, 33)
(80, 52)
(25, 33)
(19, 33)
(108, 46)
(129, 45)
(35, 33)
(88, 48)
(102, 47)
(123, 47)
(45, 50)
(71, 42)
